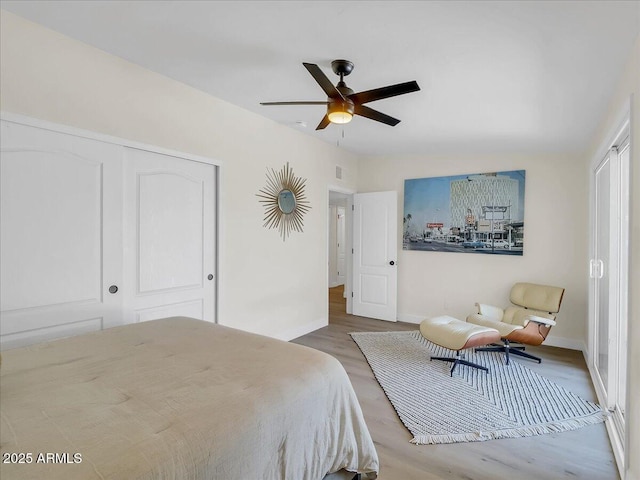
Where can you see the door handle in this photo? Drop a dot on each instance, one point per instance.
(600, 269)
(596, 268)
(392, 263)
(113, 289)
(210, 276)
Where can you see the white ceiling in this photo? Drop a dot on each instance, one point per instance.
(502, 76)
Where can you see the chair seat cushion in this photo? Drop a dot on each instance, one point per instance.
(455, 334)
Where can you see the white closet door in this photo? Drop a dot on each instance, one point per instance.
(169, 237)
(58, 262)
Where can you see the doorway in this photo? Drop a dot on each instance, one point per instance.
(339, 248)
(337, 301)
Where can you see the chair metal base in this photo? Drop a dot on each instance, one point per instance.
(507, 348)
(458, 360)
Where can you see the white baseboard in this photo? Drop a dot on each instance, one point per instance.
(409, 318)
(302, 330)
(562, 342)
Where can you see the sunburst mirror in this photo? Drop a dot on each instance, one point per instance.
(284, 201)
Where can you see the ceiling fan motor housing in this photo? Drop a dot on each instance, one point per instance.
(347, 104)
(340, 106)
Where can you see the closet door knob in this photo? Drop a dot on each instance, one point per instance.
(113, 289)
(392, 263)
(210, 276)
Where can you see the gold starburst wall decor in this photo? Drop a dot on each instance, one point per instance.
(284, 201)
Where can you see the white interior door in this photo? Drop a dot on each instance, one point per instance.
(61, 234)
(337, 249)
(375, 255)
(333, 242)
(341, 241)
(170, 236)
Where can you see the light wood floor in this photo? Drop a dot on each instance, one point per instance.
(583, 454)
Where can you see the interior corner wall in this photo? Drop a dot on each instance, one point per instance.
(267, 285)
(437, 283)
(628, 91)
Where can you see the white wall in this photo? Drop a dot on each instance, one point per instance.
(629, 90)
(436, 283)
(266, 285)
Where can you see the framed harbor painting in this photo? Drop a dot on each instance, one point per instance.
(476, 213)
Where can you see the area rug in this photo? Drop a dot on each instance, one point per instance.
(510, 401)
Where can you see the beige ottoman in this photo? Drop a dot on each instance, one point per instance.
(454, 334)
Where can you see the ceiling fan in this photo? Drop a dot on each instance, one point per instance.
(342, 103)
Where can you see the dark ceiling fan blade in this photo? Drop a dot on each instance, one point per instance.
(294, 103)
(375, 115)
(326, 85)
(323, 123)
(384, 92)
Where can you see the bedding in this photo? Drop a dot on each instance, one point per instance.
(178, 398)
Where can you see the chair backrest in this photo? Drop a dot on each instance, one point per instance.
(537, 297)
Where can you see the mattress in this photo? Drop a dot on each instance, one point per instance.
(178, 398)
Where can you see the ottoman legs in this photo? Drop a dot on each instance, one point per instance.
(459, 360)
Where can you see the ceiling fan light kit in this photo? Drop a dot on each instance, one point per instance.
(342, 103)
(340, 112)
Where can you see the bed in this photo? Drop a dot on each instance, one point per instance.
(178, 398)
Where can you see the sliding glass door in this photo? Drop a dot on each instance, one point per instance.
(599, 273)
(609, 289)
(622, 319)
